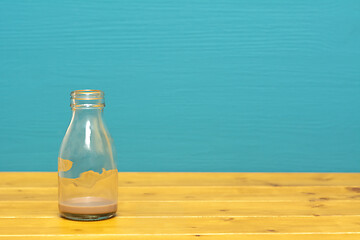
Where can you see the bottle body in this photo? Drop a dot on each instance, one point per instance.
(87, 173)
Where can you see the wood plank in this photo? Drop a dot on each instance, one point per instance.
(49, 179)
(19, 209)
(244, 193)
(235, 236)
(200, 225)
(263, 212)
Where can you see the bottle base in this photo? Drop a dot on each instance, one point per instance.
(87, 217)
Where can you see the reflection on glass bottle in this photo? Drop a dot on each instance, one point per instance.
(86, 164)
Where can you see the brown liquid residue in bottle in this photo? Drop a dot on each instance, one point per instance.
(88, 205)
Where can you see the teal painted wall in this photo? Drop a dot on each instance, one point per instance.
(190, 85)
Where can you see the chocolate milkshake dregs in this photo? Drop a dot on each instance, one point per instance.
(87, 173)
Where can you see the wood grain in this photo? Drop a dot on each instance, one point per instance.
(199, 225)
(247, 206)
(183, 209)
(204, 194)
(292, 236)
(49, 179)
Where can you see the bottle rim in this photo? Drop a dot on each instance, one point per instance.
(87, 94)
(87, 98)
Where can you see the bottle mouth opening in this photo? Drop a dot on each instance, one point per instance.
(87, 98)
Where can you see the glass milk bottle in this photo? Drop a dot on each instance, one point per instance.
(87, 174)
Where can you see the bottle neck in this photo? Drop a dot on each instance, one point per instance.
(87, 113)
(87, 107)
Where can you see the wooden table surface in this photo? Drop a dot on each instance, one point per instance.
(246, 206)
